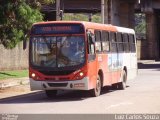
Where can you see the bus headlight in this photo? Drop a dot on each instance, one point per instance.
(33, 75)
(81, 74)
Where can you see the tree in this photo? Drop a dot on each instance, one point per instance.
(82, 17)
(16, 18)
(140, 23)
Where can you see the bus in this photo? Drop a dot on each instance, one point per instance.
(77, 55)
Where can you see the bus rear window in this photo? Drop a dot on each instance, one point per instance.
(57, 29)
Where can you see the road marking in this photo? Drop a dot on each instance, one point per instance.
(120, 104)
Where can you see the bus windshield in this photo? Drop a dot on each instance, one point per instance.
(57, 51)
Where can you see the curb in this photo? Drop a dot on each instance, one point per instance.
(146, 61)
(14, 82)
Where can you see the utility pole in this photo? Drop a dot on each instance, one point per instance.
(102, 11)
(90, 17)
(58, 10)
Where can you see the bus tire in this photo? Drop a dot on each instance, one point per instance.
(51, 93)
(122, 85)
(97, 90)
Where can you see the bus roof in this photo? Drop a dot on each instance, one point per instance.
(92, 25)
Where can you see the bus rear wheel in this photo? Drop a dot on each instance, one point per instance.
(97, 90)
(122, 85)
(51, 93)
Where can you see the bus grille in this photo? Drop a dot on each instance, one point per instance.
(57, 84)
(62, 78)
(46, 72)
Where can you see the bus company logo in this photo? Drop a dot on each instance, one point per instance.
(77, 85)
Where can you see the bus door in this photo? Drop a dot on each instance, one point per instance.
(101, 46)
(120, 50)
(107, 58)
(92, 63)
(114, 57)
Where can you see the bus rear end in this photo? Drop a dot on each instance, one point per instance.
(57, 57)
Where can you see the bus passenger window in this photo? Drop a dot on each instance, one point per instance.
(132, 43)
(112, 36)
(120, 42)
(98, 46)
(126, 43)
(106, 46)
(98, 41)
(105, 41)
(113, 42)
(114, 47)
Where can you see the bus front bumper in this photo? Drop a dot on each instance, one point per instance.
(60, 85)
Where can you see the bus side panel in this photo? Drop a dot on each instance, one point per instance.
(120, 66)
(114, 67)
(92, 73)
(103, 65)
(133, 63)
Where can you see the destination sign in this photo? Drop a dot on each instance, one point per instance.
(57, 29)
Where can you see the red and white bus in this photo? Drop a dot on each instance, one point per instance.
(74, 55)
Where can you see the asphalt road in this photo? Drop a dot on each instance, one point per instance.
(142, 95)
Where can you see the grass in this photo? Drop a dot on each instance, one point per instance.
(13, 74)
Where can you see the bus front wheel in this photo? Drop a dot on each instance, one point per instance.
(97, 90)
(51, 93)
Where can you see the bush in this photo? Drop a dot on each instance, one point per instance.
(16, 18)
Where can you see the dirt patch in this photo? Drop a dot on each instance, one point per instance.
(13, 91)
